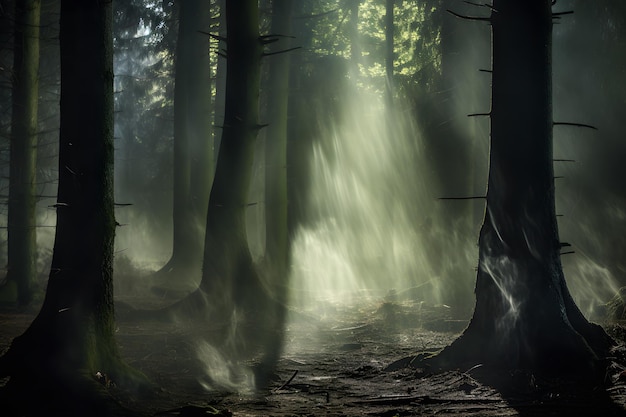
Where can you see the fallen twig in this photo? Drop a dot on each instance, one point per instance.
(423, 399)
(288, 381)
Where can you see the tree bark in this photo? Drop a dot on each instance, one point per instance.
(193, 159)
(228, 271)
(72, 337)
(524, 317)
(276, 237)
(220, 78)
(22, 248)
(276, 229)
(448, 144)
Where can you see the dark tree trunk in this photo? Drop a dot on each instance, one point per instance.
(276, 231)
(230, 282)
(220, 78)
(22, 252)
(193, 160)
(276, 241)
(449, 145)
(449, 44)
(524, 316)
(298, 142)
(228, 272)
(202, 111)
(72, 338)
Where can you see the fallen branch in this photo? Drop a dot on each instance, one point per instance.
(288, 381)
(424, 399)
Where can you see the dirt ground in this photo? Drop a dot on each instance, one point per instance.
(342, 361)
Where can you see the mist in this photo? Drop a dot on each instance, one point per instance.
(385, 197)
(375, 210)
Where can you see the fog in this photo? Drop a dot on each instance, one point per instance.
(377, 193)
(372, 214)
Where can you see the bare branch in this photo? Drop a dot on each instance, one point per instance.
(480, 197)
(489, 6)
(281, 52)
(214, 36)
(574, 124)
(482, 19)
(268, 40)
(559, 14)
(275, 35)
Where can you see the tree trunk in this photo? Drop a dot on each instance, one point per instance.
(276, 229)
(276, 237)
(230, 283)
(228, 272)
(193, 159)
(448, 144)
(524, 317)
(220, 78)
(298, 142)
(22, 253)
(72, 338)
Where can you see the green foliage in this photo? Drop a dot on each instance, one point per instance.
(144, 41)
(418, 44)
(417, 37)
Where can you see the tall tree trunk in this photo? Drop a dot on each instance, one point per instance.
(228, 270)
(193, 159)
(220, 78)
(22, 249)
(524, 316)
(299, 127)
(448, 146)
(202, 142)
(72, 338)
(276, 236)
(230, 282)
(276, 229)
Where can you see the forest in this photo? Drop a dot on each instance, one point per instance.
(312, 207)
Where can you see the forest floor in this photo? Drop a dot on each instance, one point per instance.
(344, 360)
